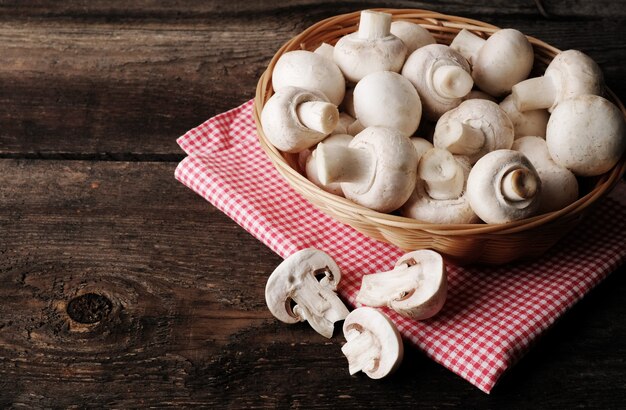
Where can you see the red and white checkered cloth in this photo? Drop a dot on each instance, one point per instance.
(492, 314)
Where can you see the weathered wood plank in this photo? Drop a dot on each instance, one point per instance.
(186, 322)
(191, 8)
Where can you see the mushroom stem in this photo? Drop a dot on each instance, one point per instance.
(362, 350)
(442, 174)
(467, 44)
(451, 81)
(374, 24)
(319, 306)
(378, 289)
(343, 164)
(460, 138)
(534, 93)
(318, 115)
(519, 185)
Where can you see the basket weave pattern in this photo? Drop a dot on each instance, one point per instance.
(461, 243)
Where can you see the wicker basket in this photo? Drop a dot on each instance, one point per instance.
(461, 243)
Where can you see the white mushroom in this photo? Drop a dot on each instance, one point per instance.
(570, 74)
(295, 281)
(311, 163)
(525, 123)
(347, 104)
(374, 345)
(503, 186)
(377, 170)
(421, 146)
(586, 134)
(559, 186)
(294, 119)
(311, 71)
(440, 194)
(481, 95)
(387, 99)
(474, 128)
(372, 48)
(499, 62)
(415, 288)
(412, 35)
(440, 75)
(325, 50)
(343, 124)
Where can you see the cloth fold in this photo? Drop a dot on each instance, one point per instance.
(492, 314)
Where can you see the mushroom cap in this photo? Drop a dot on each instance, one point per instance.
(281, 124)
(395, 171)
(387, 99)
(484, 115)
(420, 68)
(286, 279)
(358, 57)
(586, 134)
(574, 73)
(481, 95)
(310, 71)
(505, 59)
(423, 207)
(384, 331)
(421, 145)
(412, 35)
(559, 186)
(429, 296)
(484, 187)
(525, 123)
(311, 169)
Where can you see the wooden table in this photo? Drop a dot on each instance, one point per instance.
(121, 287)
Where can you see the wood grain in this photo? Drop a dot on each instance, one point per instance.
(105, 82)
(187, 323)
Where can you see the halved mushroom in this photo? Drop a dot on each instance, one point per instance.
(416, 287)
(295, 280)
(310, 71)
(474, 128)
(499, 62)
(372, 48)
(295, 119)
(570, 74)
(377, 170)
(503, 186)
(374, 345)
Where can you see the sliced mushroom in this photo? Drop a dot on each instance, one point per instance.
(377, 170)
(295, 281)
(374, 345)
(295, 119)
(559, 186)
(372, 48)
(387, 99)
(586, 134)
(440, 191)
(441, 76)
(474, 128)
(499, 62)
(415, 288)
(570, 74)
(310, 71)
(412, 35)
(503, 186)
(525, 123)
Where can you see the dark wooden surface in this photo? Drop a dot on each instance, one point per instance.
(120, 287)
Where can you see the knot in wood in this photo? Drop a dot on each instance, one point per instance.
(89, 308)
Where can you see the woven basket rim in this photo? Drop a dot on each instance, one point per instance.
(434, 21)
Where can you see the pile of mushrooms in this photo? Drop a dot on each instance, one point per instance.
(303, 286)
(353, 112)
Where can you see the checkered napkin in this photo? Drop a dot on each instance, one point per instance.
(492, 314)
